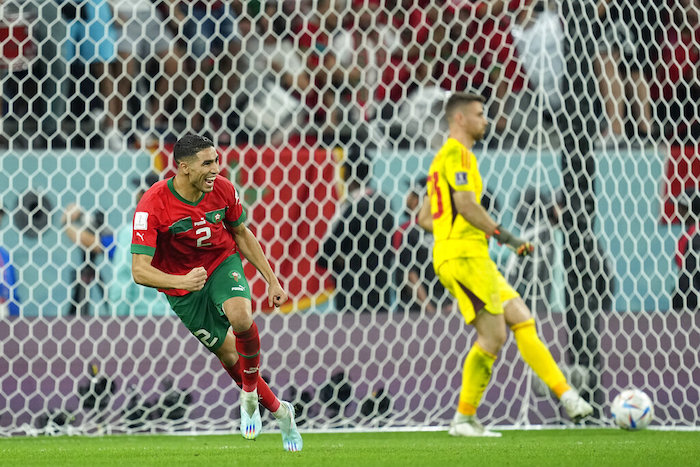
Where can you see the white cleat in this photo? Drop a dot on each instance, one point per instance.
(574, 405)
(251, 423)
(291, 439)
(472, 428)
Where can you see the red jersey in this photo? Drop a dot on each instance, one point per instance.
(181, 235)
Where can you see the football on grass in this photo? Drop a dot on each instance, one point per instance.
(632, 409)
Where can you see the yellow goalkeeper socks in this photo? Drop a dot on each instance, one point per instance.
(475, 378)
(538, 356)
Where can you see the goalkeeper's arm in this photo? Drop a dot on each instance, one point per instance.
(476, 215)
(425, 217)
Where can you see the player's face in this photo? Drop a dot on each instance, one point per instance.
(204, 169)
(475, 122)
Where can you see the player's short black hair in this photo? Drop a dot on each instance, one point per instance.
(189, 145)
(459, 99)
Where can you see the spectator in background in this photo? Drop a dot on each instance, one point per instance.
(408, 67)
(273, 76)
(143, 38)
(687, 258)
(537, 35)
(484, 58)
(357, 248)
(9, 299)
(93, 38)
(126, 298)
(314, 37)
(210, 34)
(89, 232)
(623, 45)
(18, 49)
(677, 86)
(361, 48)
(418, 288)
(408, 95)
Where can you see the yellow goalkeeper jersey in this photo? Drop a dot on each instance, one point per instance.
(454, 168)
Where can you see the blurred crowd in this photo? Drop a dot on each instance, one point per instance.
(335, 71)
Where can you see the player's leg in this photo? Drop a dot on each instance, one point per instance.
(228, 356)
(239, 312)
(476, 374)
(247, 348)
(539, 358)
(230, 291)
(205, 321)
(491, 335)
(228, 353)
(251, 425)
(459, 279)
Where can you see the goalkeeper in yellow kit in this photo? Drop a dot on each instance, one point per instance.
(461, 229)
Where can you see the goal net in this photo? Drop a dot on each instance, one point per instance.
(592, 153)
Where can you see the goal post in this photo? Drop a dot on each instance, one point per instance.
(591, 152)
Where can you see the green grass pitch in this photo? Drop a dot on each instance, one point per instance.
(572, 447)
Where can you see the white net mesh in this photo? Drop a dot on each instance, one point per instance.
(593, 153)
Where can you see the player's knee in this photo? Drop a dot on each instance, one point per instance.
(493, 340)
(239, 313)
(516, 311)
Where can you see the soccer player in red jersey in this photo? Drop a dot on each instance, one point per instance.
(188, 234)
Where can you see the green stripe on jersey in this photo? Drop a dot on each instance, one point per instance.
(239, 221)
(143, 250)
(183, 225)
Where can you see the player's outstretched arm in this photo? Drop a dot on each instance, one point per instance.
(145, 274)
(250, 248)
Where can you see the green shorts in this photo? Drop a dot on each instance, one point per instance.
(203, 311)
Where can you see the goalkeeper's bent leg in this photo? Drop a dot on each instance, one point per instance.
(540, 359)
(475, 378)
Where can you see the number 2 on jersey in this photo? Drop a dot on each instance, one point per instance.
(201, 240)
(433, 179)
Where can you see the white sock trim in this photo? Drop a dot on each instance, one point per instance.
(281, 412)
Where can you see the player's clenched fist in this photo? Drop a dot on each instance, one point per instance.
(276, 295)
(195, 279)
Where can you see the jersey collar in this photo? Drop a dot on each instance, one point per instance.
(171, 187)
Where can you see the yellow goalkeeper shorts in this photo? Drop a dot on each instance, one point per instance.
(476, 283)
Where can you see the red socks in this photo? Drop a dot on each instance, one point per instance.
(246, 372)
(248, 348)
(265, 394)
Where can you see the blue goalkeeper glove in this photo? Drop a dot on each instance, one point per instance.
(518, 245)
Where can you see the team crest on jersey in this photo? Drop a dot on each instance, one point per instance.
(235, 275)
(217, 217)
(461, 178)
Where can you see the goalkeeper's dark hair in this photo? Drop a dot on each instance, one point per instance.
(189, 145)
(459, 99)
